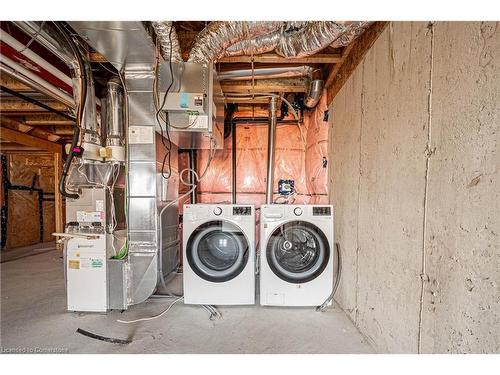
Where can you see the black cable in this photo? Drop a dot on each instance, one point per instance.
(35, 102)
(169, 147)
(79, 115)
(103, 338)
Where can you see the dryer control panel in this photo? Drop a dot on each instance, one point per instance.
(242, 210)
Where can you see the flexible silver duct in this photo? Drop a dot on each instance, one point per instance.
(353, 30)
(167, 38)
(219, 35)
(300, 38)
(255, 46)
(309, 39)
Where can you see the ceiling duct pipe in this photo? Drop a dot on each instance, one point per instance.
(266, 73)
(353, 30)
(213, 40)
(255, 46)
(309, 39)
(168, 40)
(314, 93)
(271, 138)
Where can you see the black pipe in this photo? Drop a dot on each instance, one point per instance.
(228, 117)
(67, 163)
(233, 163)
(35, 102)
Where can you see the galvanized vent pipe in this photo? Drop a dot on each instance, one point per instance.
(271, 138)
(115, 116)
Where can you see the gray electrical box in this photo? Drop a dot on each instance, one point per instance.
(194, 105)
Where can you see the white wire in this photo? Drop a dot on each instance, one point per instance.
(151, 317)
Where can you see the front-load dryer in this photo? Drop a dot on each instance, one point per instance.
(296, 257)
(219, 254)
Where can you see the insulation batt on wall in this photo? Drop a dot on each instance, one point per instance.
(304, 165)
(23, 210)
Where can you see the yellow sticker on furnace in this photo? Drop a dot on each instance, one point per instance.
(74, 264)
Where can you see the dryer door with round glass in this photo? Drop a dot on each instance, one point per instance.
(297, 252)
(217, 251)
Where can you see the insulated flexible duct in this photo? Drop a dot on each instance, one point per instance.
(168, 40)
(212, 41)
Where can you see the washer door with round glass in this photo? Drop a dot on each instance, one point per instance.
(217, 251)
(297, 252)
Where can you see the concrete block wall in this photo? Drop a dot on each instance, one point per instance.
(414, 177)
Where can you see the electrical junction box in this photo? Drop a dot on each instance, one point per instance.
(286, 187)
(86, 274)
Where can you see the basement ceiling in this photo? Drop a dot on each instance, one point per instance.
(36, 115)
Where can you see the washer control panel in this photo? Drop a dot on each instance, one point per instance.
(322, 211)
(242, 210)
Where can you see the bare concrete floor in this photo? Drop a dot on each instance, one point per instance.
(33, 316)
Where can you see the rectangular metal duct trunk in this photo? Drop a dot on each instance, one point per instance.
(129, 48)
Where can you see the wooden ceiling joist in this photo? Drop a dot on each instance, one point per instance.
(265, 85)
(13, 84)
(28, 140)
(352, 57)
(16, 105)
(319, 58)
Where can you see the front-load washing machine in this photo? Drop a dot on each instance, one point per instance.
(296, 257)
(219, 254)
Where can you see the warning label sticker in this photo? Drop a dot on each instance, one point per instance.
(89, 216)
(74, 264)
(92, 263)
(140, 134)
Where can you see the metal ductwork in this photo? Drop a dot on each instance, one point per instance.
(266, 73)
(115, 120)
(352, 31)
(309, 39)
(168, 41)
(255, 46)
(152, 217)
(271, 145)
(314, 93)
(300, 39)
(212, 41)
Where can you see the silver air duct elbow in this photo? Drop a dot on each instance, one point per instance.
(168, 40)
(213, 40)
(314, 93)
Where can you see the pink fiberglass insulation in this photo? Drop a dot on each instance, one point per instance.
(294, 160)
